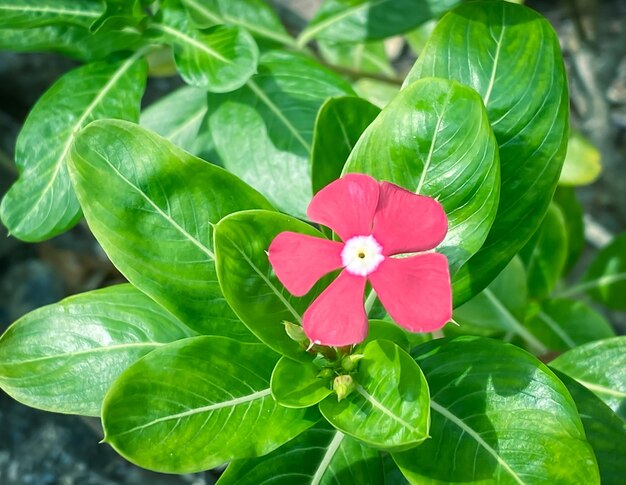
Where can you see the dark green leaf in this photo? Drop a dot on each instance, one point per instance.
(152, 206)
(65, 39)
(499, 416)
(601, 368)
(511, 56)
(339, 124)
(64, 357)
(25, 14)
(565, 199)
(434, 139)
(278, 107)
(319, 456)
(197, 403)
(389, 407)
(382, 330)
(297, 385)
(42, 204)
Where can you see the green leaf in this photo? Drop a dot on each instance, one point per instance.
(219, 59)
(249, 284)
(255, 16)
(297, 385)
(152, 207)
(42, 204)
(339, 124)
(565, 199)
(319, 456)
(382, 330)
(601, 368)
(379, 93)
(499, 416)
(367, 57)
(582, 161)
(25, 14)
(197, 403)
(605, 279)
(545, 254)
(389, 407)
(511, 56)
(605, 432)
(564, 324)
(434, 139)
(278, 106)
(357, 20)
(178, 116)
(64, 357)
(65, 39)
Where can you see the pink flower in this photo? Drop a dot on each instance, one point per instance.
(375, 222)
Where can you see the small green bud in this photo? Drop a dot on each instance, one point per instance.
(343, 386)
(349, 362)
(295, 332)
(326, 373)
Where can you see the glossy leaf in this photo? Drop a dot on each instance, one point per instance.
(249, 284)
(564, 324)
(582, 162)
(64, 357)
(369, 57)
(65, 39)
(319, 456)
(389, 408)
(219, 59)
(545, 255)
(197, 403)
(154, 216)
(339, 124)
(605, 279)
(601, 368)
(297, 384)
(565, 199)
(490, 400)
(42, 204)
(256, 16)
(434, 139)
(278, 106)
(605, 432)
(350, 21)
(511, 56)
(178, 116)
(23, 14)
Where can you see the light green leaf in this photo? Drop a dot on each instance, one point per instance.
(319, 456)
(219, 59)
(339, 124)
(25, 14)
(434, 139)
(42, 204)
(297, 385)
(198, 403)
(64, 357)
(544, 256)
(366, 57)
(178, 116)
(601, 368)
(389, 407)
(605, 432)
(582, 161)
(379, 93)
(511, 56)
(249, 284)
(564, 324)
(154, 217)
(565, 199)
(255, 16)
(278, 106)
(498, 416)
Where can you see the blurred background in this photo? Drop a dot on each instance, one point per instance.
(42, 448)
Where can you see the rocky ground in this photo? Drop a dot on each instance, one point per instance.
(42, 448)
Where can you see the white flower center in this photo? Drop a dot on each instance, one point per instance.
(361, 255)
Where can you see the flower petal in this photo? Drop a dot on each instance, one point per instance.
(337, 317)
(406, 222)
(415, 291)
(346, 205)
(300, 260)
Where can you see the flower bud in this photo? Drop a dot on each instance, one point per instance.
(349, 362)
(295, 332)
(343, 386)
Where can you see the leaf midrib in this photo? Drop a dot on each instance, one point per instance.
(53, 10)
(333, 446)
(192, 42)
(374, 402)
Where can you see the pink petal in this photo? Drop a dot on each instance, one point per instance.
(415, 291)
(337, 317)
(406, 222)
(300, 260)
(346, 205)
